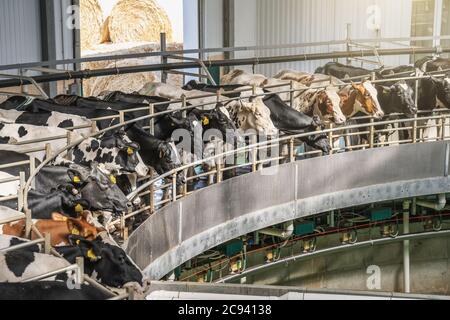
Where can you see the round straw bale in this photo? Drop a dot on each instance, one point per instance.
(138, 20)
(91, 23)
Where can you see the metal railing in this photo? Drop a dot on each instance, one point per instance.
(250, 152)
(335, 133)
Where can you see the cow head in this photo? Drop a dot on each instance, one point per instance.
(73, 203)
(255, 115)
(106, 262)
(401, 98)
(169, 159)
(115, 152)
(329, 106)
(79, 226)
(319, 142)
(99, 189)
(443, 90)
(367, 99)
(219, 119)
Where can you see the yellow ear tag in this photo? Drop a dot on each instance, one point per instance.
(76, 179)
(78, 242)
(79, 208)
(91, 255)
(130, 151)
(113, 180)
(205, 121)
(75, 232)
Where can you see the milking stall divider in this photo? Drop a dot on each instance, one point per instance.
(289, 152)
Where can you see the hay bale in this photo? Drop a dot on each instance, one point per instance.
(106, 37)
(91, 19)
(138, 20)
(126, 83)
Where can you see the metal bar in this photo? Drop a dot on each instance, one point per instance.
(163, 42)
(22, 246)
(406, 250)
(73, 267)
(216, 63)
(226, 49)
(358, 245)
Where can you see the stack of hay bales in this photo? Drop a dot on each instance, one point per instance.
(91, 20)
(137, 20)
(134, 26)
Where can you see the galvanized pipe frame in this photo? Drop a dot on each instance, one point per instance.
(318, 234)
(215, 63)
(264, 145)
(342, 248)
(215, 50)
(73, 144)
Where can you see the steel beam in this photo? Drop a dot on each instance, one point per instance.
(83, 74)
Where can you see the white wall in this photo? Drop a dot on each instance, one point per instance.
(273, 22)
(20, 36)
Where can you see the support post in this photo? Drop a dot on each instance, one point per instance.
(174, 187)
(47, 243)
(152, 120)
(372, 134)
(330, 138)
(164, 59)
(406, 249)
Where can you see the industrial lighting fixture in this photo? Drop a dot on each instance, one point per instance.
(349, 237)
(236, 266)
(269, 256)
(389, 230)
(309, 245)
(433, 223)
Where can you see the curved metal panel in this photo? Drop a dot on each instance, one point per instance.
(255, 201)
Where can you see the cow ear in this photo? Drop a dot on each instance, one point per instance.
(59, 217)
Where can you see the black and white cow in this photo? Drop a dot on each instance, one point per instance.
(164, 125)
(114, 152)
(48, 291)
(8, 157)
(23, 133)
(96, 187)
(65, 199)
(38, 106)
(431, 64)
(342, 71)
(19, 265)
(289, 120)
(15, 102)
(161, 155)
(48, 119)
(104, 261)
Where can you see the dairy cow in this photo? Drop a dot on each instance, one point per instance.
(103, 260)
(23, 133)
(99, 189)
(110, 117)
(60, 227)
(65, 199)
(114, 152)
(48, 119)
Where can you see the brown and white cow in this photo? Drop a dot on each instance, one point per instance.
(60, 228)
(360, 98)
(314, 97)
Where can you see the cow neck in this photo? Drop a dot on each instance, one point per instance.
(348, 109)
